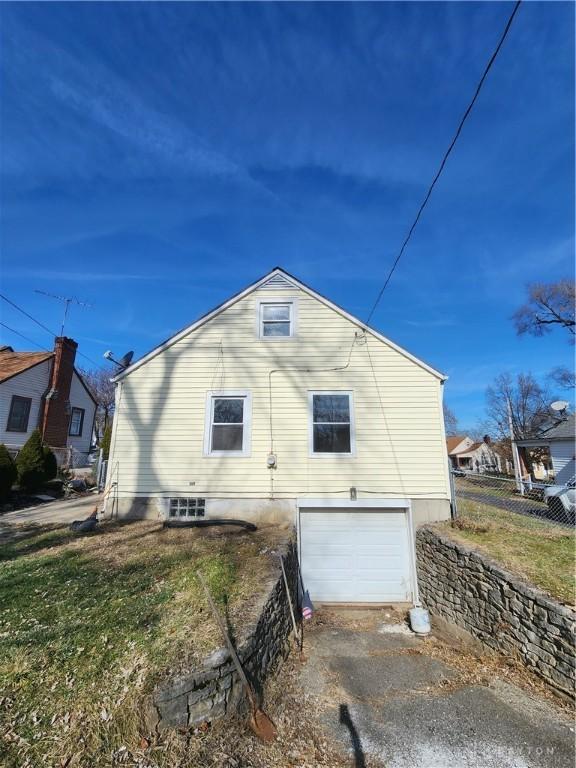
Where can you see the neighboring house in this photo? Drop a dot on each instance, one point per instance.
(43, 390)
(280, 407)
(560, 440)
(472, 456)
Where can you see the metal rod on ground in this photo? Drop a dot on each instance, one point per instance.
(453, 494)
(294, 626)
(260, 723)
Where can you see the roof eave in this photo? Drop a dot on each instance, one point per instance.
(254, 286)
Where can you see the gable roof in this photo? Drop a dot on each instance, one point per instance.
(470, 449)
(454, 441)
(12, 363)
(278, 277)
(86, 387)
(565, 430)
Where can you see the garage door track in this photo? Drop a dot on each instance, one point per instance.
(395, 700)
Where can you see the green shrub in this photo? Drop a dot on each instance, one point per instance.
(105, 442)
(50, 464)
(8, 473)
(30, 463)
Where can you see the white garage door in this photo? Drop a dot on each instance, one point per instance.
(359, 556)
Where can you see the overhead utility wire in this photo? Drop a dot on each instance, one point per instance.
(23, 337)
(26, 313)
(41, 325)
(445, 158)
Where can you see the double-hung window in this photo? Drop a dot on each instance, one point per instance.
(276, 319)
(228, 416)
(19, 414)
(331, 423)
(76, 422)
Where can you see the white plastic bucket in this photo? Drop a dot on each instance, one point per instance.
(420, 621)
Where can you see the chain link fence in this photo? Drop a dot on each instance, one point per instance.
(494, 494)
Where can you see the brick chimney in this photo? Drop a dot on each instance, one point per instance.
(56, 417)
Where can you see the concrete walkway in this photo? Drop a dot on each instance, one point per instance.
(59, 511)
(391, 699)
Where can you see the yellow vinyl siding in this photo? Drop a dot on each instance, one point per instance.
(158, 445)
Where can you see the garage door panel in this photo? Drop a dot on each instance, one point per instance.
(355, 556)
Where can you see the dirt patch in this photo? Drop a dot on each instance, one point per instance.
(301, 742)
(359, 619)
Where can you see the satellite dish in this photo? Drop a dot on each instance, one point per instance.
(126, 360)
(559, 405)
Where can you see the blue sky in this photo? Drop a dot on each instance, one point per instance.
(158, 157)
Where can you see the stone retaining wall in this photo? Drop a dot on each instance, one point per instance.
(214, 690)
(506, 614)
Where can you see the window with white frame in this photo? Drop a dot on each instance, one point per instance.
(276, 319)
(228, 424)
(331, 423)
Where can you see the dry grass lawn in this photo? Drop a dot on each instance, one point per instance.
(89, 624)
(537, 550)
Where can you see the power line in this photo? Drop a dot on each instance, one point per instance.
(41, 325)
(81, 354)
(27, 315)
(24, 337)
(446, 155)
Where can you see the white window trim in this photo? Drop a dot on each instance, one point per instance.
(311, 453)
(292, 302)
(247, 423)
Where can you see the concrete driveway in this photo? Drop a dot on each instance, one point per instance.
(53, 512)
(395, 700)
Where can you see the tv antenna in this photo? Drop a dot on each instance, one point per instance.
(67, 300)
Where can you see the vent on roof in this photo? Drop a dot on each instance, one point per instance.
(277, 281)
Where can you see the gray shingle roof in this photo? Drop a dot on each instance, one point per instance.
(565, 430)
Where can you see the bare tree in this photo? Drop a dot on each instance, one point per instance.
(529, 405)
(98, 382)
(529, 409)
(450, 421)
(548, 305)
(563, 378)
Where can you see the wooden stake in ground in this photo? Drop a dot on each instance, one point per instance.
(259, 721)
(297, 637)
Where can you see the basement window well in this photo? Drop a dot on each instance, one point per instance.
(183, 508)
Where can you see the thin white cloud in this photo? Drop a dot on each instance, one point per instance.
(438, 323)
(87, 277)
(90, 88)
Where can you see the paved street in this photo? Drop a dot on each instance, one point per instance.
(522, 506)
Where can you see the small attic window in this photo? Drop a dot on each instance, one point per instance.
(276, 319)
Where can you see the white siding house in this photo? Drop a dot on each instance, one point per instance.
(31, 384)
(467, 454)
(26, 379)
(82, 413)
(282, 408)
(560, 439)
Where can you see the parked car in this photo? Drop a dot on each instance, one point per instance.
(561, 500)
